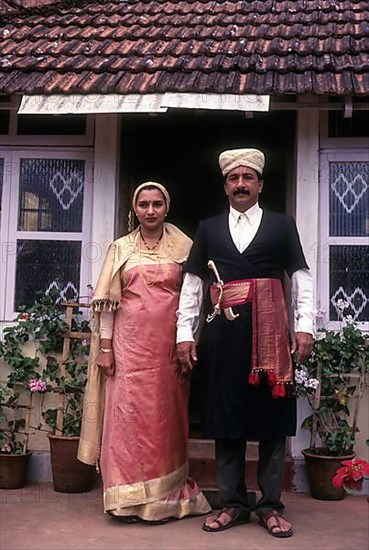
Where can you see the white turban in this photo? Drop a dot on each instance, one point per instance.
(252, 158)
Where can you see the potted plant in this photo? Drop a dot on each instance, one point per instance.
(14, 429)
(56, 364)
(66, 378)
(15, 395)
(332, 380)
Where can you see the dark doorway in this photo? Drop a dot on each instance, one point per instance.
(180, 149)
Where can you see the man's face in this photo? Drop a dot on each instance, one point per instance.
(242, 186)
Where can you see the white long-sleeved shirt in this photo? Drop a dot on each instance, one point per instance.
(243, 229)
(106, 324)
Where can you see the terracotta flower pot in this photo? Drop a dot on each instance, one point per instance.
(321, 469)
(13, 470)
(69, 474)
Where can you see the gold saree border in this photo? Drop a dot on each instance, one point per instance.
(154, 511)
(142, 492)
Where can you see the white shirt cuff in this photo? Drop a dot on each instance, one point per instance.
(184, 334)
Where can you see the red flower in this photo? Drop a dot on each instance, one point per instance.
(24, 316)
(351, 476)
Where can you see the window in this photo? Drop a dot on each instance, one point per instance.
(48, 130)
(1, 183)
(355, 126)
(51, 125)
(4, 122)
(345, 235)
(45, 220)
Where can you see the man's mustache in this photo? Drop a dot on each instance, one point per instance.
(241, 192)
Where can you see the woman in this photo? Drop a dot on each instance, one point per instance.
(144, 456)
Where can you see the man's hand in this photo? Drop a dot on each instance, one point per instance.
(187, 356)
(105, 362)
(302, 345)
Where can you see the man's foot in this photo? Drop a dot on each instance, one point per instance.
(226, 518)
(276, 524)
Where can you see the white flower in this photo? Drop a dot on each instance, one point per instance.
(313, 383)
(342, 304)
(303, 380)
(348, 318)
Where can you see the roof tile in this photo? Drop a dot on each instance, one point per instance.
(139, 46)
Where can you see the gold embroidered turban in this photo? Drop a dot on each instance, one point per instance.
(252, 158)
(151, 184)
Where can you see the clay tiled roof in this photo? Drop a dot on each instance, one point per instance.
(232, 46)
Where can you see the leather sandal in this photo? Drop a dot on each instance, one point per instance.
(156, 521)
(237, 517)
(124, 519)
(274, 530)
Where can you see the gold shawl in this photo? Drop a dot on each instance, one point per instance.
(108, 297)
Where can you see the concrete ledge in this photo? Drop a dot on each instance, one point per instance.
(299, 480)
(202, 469)
(39, 469)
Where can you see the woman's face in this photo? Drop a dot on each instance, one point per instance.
(151, 209)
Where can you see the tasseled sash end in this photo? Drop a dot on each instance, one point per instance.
(278, 391)
(104, 304)
(268, 377)
(284, 389)
(262, 376)
(254, 378)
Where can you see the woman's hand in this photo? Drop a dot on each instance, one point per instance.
(105, 361)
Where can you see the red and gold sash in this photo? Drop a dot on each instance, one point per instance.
(271, 361)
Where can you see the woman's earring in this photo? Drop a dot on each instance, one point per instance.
(130, 221)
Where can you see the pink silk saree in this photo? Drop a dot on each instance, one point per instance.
(144, 453)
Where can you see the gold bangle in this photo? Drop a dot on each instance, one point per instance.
(105, 350)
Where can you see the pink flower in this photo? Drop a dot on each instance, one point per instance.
(84, 342)
(36, 385)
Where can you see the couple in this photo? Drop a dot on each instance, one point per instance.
(135, 415)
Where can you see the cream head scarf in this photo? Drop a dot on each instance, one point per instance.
(252, 158)
(151, 184)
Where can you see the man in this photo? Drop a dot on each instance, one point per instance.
(245, 347)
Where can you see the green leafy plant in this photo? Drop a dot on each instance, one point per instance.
(12, 422)
(68, 379)
(48, 369)
(334, 376)
(44, 325)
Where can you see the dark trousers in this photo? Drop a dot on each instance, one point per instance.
(231, 467)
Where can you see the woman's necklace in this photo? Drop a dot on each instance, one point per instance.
(143, 271)
(156, 261)
(150, 248)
